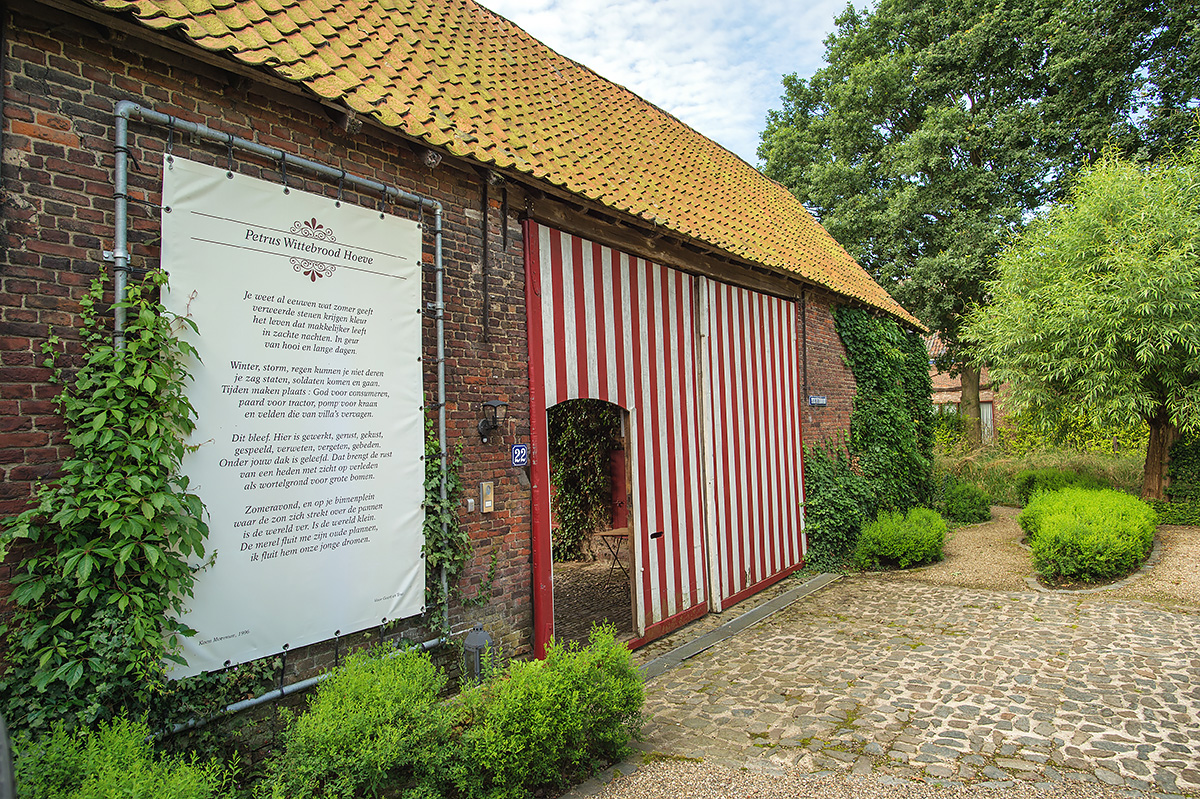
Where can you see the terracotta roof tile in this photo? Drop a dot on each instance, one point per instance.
(458, 76)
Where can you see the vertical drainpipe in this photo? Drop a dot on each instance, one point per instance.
(804, 340)
(3, 69)
(121, 234)
(439, 309)
(484, 258)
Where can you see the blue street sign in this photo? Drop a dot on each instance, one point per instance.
(520, 455)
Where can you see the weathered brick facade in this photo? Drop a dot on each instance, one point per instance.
(64, 77)
(828, 372)
(64, 82)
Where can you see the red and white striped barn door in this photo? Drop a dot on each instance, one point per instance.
(752, 438)
(605, 325)
(714, 427)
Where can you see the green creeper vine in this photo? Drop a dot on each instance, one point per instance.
(446, 542)
(98, 593)
(887, 461)
(582, 435)
(892, 424)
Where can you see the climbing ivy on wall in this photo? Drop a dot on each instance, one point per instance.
(447, 544)
(892, 424)
(106, 569)
(1184, 469)
(582, 435)
(1184, 491)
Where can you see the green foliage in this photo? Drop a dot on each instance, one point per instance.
(1186, 513)
(1184, 491)
(98, 595)
(1034, 481)
(899, 540)
(376, 723)
(1184, 469)
(583, 433)
(949, 429)
(891, 427)
(936, 128)
(545, 722)
(1079, 431)
(378, 727)
(994, 470)
(965, 503)
(1097, 306)
(114, 760)
(837, 502)
(1087, 535)
(447, 544)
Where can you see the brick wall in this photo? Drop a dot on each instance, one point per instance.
(64, 79)
(828, 373)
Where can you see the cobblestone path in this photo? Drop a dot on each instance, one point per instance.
(907, 681)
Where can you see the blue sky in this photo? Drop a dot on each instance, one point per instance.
(714, 64)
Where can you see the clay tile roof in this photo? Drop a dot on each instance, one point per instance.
(458, 76)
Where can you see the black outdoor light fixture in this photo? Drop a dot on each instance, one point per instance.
(493, 415)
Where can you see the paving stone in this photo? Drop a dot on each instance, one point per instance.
(977, 686)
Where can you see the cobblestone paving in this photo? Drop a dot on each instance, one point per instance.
(917, 681)
(589, 592)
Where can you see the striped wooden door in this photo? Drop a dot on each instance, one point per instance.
(709, 376)
(609, 326)
(753, 404)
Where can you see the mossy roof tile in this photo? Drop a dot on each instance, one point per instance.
(458, 76)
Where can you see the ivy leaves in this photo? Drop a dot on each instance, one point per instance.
(583, 433)
(99, 593)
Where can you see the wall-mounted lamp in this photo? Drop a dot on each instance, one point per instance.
(493, 415)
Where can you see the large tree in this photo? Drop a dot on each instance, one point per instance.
(1097, 306)
(938, 127)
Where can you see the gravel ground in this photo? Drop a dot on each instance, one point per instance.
(673, 778)
(983, 556)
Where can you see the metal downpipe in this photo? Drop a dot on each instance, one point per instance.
(439, 310)
(279, 693)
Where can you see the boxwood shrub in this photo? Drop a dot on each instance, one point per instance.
(379, 726)
(113, 760)
(1087, 535)
(546, 722)
(901, 540)
(377, 722)
(966, 504)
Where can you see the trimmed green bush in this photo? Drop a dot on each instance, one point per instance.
(545, 722)
(966, 504)
(114, 760)
(1032, 481)
(1087, 535)
(378, 726)
(377, 722)
(901, 540)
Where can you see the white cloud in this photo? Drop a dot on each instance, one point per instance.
(715, 65)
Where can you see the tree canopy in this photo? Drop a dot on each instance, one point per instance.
(938, 127)
(1097, 306)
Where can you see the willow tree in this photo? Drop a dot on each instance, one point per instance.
(938, 127)
(1097, 305)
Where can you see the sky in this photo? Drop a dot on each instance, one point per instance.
(715, 64)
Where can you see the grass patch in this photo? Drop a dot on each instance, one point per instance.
(994, 470)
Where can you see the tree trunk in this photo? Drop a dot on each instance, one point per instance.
(1163, 433)
(969, 406)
